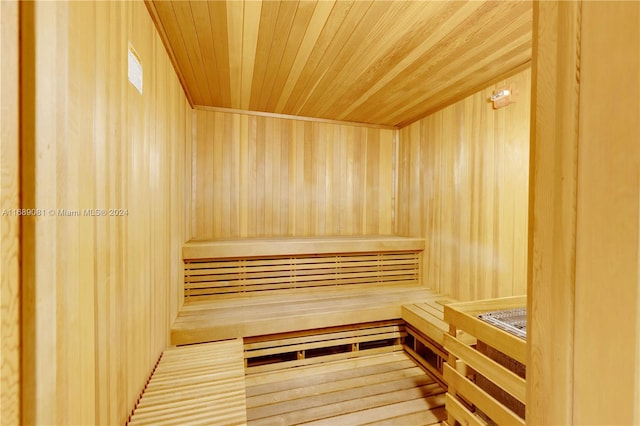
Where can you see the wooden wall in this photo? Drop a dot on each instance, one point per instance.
(10, 224)
(98, 292)
(584, 279)
(608, 217)
(463, 186)
(257, 176)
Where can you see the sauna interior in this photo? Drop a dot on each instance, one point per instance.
(320, 212)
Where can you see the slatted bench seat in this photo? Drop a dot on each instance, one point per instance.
(427, 317)
(197, 385)
(246, 288)
(426, 330)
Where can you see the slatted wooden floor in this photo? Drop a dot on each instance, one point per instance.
(195, 385)
(384, 389)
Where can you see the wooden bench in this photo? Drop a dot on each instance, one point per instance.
(426, 330)
(427, 317)
(197, 385)
(244, 288)
(289, 304)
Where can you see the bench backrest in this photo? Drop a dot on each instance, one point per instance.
(213, 270)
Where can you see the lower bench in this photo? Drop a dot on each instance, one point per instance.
(210, 320)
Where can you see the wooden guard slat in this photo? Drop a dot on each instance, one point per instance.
(504, 378)
(481, 399)
(299, 276)
(200, 384)
(462, 413)
(463, 315)
(293, 278)
(276, 263)
(247, 275)
(250, 290)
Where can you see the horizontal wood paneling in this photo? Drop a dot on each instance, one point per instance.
(259, 176)
(380, 62)
(463, 186)
(98, 292)
(10, 224)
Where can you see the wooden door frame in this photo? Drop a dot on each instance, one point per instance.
(10, 332)
(584, 256)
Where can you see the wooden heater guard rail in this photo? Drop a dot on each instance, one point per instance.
(465, 399)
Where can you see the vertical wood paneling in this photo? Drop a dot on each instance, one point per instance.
(607, 278)
(9, 222)
(265, 176)
(99, 291)
(235, 16)
(463, 186)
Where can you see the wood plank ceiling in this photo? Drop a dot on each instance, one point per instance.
(378, 62)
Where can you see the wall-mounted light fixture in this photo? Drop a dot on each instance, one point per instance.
(503, 97)
(499, 95)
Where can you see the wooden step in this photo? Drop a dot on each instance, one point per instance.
(426, 330)
(197, 385)
(286, 350)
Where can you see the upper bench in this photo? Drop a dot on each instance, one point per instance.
(220, 249)
(251, 287)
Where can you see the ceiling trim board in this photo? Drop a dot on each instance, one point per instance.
(294, 117)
